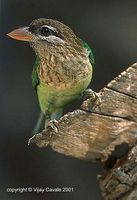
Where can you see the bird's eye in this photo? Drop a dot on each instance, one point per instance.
(46, 31)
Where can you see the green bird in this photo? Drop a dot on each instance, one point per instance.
(63, 66)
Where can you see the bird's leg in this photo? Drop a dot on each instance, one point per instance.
(49, 123)
(51, 119)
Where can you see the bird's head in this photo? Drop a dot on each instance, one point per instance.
(46, 35)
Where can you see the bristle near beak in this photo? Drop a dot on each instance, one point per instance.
(21, 34)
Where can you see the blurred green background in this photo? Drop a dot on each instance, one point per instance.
(110, 28)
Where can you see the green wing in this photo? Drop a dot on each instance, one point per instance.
(35, 78)
(89, 52)
(35, 82)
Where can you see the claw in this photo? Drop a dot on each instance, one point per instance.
(52, 124)
(90, 97)
(88, 93)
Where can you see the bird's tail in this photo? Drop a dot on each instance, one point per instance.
(40, 124)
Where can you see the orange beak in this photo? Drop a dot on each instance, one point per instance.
(21, 34)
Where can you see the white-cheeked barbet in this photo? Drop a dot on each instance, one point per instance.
(63, 66)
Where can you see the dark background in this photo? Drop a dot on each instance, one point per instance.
(110, 28)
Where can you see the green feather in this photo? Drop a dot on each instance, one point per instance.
(35, 77)
(89, 52)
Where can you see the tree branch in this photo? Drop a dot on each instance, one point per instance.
(97, 128)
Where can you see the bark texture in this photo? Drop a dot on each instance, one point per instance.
(97, 128)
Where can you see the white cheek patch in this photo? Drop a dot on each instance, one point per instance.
(52, 39)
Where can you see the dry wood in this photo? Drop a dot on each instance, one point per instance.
(120, 182)
(94, 131)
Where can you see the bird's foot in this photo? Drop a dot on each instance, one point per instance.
(91, 99)
(51, 124)
(44, 138)
(90, 94)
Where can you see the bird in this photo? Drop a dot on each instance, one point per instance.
(63, 66)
